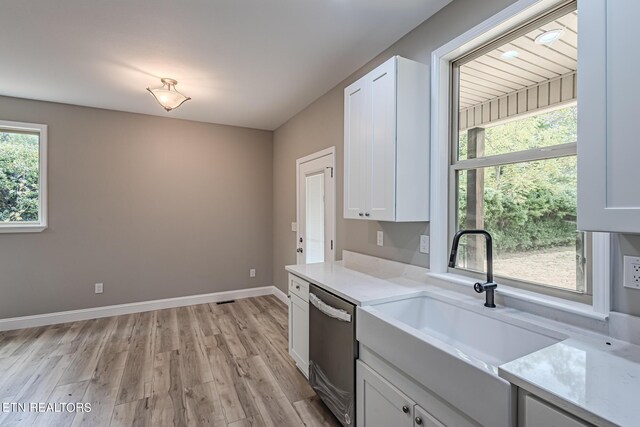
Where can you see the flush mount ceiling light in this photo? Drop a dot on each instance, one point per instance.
(548, 37)
(509, 55)
(167, 95)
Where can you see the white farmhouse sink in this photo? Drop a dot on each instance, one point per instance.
(453, 350)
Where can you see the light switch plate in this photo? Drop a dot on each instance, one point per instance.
(99, 288)
(252, 272)
(424, 244)
(294, 226)
(631, 272)
(380, 238)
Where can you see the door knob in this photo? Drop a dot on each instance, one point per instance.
(418, 420)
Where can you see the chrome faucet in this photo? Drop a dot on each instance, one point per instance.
(489, 286)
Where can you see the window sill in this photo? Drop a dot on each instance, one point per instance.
(22, 228)
(555, 303)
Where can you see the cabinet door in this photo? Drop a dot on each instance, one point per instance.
(382, 144)
(538, 413)
(380, 404)
(608, 192)
(357, 121)
(299, 332)
(424, 419)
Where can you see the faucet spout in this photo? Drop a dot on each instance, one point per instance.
(490, 286)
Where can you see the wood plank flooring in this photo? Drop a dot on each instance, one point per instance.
(202, 365)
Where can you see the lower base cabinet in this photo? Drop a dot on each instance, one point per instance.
(299, 323)
(535, 413)
(380, 404)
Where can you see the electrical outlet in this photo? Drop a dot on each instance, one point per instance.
(294, 226)
(380, 238)
(252, 272)
(99, 288)
(631, 272)
(424, 244)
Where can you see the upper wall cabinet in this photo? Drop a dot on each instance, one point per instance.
(386, 143)
(608, 136)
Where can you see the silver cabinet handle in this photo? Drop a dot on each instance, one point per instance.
(360, 214)
(405, 409)
(367, 214)
(418, 420)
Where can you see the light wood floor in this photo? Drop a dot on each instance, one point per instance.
(221, 365)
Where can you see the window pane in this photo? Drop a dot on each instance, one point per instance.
(19, 177)
(542, 130)
(530, 210)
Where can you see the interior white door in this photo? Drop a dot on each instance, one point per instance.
(316, 209)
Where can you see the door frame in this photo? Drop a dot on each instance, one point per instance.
(331, 151)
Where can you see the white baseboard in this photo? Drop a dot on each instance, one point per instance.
(280, 295)
(135, 307)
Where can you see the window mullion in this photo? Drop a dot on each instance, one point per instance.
(534, 154)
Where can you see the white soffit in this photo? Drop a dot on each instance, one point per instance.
(491, 76)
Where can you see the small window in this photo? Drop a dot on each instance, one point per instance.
(22, 177)
(513, 158)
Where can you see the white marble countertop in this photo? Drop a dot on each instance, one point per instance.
(351, 285)
(583, 375)
(597, 382)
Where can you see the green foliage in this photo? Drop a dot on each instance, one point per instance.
(19, 174)
(528, 205)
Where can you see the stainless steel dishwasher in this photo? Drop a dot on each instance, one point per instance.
(333, 351)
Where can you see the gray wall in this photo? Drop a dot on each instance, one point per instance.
(320, 125)
(153, 207)
(623, 299)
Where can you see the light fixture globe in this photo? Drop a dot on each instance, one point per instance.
(167, 95)
(550, 37)
(510, 55)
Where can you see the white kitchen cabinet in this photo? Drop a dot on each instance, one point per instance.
(299, 322)
(386, 143)
(381, 404)
(378, 403)
(608, 148)
(537, 413)
(422, 418)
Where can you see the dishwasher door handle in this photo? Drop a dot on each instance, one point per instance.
(330, 311)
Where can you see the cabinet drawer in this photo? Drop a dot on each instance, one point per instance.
(538, 413)
(299, 287)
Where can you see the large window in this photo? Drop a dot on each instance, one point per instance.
(513, 158)
(22, 177)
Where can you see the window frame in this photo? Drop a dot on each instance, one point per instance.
(509, 19)
(42, 223)
(523, 156)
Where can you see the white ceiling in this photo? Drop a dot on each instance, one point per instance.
(251, 63)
